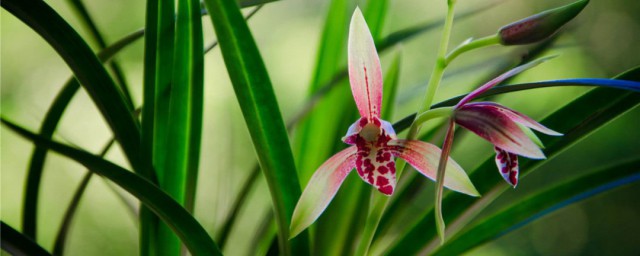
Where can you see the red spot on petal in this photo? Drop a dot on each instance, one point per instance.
(387, 190)
(382, 170)
(513, 177)
(382, 181)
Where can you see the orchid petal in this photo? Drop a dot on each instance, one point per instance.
(507, 165)
(388, 129)
(496, 126)
(321, 189)
(519, 118)
(425, 157)
(354, 130)
(499, 79)
(365, 74)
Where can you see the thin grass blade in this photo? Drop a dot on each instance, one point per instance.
(17, 243)
(543, 203)
(85, 17)
(259, 106)
(87, 68)
(181, 222)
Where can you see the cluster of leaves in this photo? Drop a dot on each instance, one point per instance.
(163, 145)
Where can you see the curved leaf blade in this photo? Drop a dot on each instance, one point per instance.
(19, 244)
(543, 203)
(576, 120)
(87, 69)
(181, 222)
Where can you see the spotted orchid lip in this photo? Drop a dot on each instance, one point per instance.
(507, 166)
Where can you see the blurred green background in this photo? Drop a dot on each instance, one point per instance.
(601, 42)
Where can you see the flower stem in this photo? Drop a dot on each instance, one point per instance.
(428, 115)
(446, 150)
(438, 69)
(471, 45)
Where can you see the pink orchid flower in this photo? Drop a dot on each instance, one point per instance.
(373, 141)
(503, 127)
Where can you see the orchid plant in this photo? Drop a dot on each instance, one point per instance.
(302, 196)
(374, 142)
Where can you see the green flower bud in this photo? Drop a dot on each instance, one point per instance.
(540, 26)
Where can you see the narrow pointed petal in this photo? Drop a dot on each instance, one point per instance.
(496, 126)
(424, 157)
(499, 79)
(365, 75)
(518, 118)
(507, 166)
(321, 189)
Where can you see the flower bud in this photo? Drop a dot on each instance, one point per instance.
(540, 26)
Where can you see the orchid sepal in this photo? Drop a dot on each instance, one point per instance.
(321, 189)
(365, 74)
(424, 158)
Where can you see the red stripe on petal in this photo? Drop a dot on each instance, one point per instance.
(494, 125)
(365, 74)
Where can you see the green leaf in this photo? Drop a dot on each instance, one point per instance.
(542, 203)
(16, 243)
(239, 201)
(61, 237)
(86, 19)
(158, 61)
(181, 222)
(178, 160)
(576, 120)
(391, 81)
(49, 124)
(259, 106)
(87, 69)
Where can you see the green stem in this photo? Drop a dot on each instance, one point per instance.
(471, 45)
(438, 69)
(428, 115)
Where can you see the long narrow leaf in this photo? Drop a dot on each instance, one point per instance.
(86, 67)
(61, 237)
(97, 36)
(543, 203)
(17, 243)
(49, 124)
(181, 222)
(576, 120)
(259, 106)
(629, 85)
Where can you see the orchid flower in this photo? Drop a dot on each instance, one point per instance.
(373, 141)
(505, 128)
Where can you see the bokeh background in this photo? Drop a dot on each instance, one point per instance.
(601, 42)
